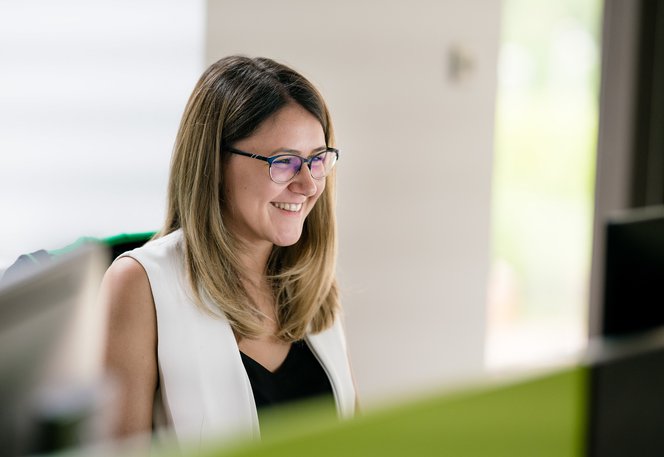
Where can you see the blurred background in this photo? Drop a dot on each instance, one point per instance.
(543, 180)
(467, 131)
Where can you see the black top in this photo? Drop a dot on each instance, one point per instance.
(299, 377)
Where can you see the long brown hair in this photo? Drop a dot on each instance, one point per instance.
(230, 101)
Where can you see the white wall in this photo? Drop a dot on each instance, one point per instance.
(91, 94)
(415, 171)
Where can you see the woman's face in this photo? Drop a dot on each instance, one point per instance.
(259, 211)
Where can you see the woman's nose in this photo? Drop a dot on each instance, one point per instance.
(304, 183)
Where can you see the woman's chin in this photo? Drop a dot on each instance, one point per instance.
(287, 239)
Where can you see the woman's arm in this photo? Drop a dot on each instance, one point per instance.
(131, 348)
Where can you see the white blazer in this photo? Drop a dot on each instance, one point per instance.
(204, 391)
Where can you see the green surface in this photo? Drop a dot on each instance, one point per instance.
(127, 238)
(538, 417)
(109, 241)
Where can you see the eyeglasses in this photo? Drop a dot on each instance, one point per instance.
(284, 167)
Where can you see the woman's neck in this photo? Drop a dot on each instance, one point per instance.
(254, 262)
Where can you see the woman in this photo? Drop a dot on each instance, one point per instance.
(234, 305)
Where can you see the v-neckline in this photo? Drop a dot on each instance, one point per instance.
(276, 370)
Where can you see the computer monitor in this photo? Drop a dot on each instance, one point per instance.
(626, 379)
(634, 272)
(51, 342)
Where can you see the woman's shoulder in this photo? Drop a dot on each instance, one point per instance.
(125, 281)
(155, 270)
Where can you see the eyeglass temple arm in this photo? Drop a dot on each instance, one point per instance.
(246, 154)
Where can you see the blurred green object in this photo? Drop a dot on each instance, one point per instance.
(117, 243)
(541, 417)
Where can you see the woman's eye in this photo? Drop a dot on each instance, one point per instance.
(283, 161)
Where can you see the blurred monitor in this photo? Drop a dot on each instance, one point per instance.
(634, 272)
(626, 396)
(51, 344)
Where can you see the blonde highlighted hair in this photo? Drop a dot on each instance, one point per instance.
(230, 101)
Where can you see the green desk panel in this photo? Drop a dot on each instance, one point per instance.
(539, 417)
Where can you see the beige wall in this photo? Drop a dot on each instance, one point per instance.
(415, 172)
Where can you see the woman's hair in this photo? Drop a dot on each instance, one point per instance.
(230, 101)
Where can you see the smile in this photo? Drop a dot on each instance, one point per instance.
(292, 207)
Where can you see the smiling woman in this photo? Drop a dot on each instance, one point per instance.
(240, 280)
(265, 212)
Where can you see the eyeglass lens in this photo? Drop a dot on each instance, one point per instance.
(285, 167)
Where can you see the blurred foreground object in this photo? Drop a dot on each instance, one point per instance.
(51, 351)
(626, 406)
(609, 402)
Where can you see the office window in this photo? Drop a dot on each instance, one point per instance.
(546, 128)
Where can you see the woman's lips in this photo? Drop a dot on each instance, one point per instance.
(290, 207)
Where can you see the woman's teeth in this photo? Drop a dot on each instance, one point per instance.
(293, 207)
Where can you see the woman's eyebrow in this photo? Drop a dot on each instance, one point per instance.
(296, 152)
